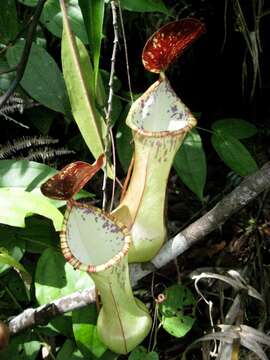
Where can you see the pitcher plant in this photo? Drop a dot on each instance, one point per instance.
(159, 122)
(102, 244)
(97, 243)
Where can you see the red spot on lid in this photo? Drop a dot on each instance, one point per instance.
(71, 179)
(170, 41)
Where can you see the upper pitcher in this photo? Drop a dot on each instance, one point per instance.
(159, 122)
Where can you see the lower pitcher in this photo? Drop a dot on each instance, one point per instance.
(94, 241)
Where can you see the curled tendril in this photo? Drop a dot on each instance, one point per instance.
(160, 299)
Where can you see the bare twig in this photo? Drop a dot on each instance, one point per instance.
(108, 140)
(126, 50)
(247, 191)
(43, 314)
(9, 118)
(25, 55)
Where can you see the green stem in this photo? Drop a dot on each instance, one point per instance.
(203, 129)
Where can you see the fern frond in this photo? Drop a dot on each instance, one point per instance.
(46, 154)
(14, 104)
(11, 148)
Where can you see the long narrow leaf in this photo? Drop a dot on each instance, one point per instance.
(93, 15)
(145, 6)
(82, 104)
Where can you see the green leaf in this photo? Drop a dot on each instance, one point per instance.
(177, 310)
(21, 347)
(140, 353)
(9, 26)
(190, 163)
(66, 350)
(23, 174)
(93, 14)
(116, 110)
(38, 235)
(238, 128)
(42, 118)
(31, 349)
(60, 325)
(16, 204)
(5, 79)
(20, 183)
(176, 326)
(124, 141)
(6, 258)
(12, 244)
(76, 355)
(42, 79)
(109, 355)
(105, 76)
(52, 18)
(56, 278)
(104, 80)
(76, 69)
(17, 286)
(85, 332)
(145, 6)
(29, 176)
(29, 2)
(234, 154)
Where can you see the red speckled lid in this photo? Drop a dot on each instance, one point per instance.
(71, 179)
(166, 44)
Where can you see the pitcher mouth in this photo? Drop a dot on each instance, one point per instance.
(160, 108)
(116, 225)
(166, 133)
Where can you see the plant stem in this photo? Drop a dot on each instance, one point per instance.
(108, 140)
(126, 50)
(203, 129)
